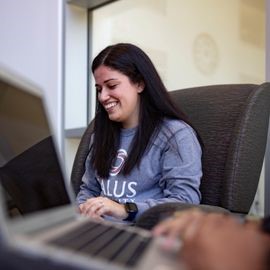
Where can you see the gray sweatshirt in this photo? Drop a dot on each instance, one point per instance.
(169, 171)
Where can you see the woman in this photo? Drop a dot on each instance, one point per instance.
(143, 152)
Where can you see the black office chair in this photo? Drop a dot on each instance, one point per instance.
(232, 121)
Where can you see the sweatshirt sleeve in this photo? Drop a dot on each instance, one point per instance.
(90, 187)
(181, 170)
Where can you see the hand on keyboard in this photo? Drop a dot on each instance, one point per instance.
(100, 206)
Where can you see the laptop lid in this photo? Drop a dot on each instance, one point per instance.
(34, 193)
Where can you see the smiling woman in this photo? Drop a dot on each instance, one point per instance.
(118, 96)
(143, 150)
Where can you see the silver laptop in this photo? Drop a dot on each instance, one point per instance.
(37, 211)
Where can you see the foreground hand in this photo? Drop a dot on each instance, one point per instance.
(216, 241)
(184, 224)
(100, 206)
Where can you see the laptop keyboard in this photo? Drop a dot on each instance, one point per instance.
(107, 242)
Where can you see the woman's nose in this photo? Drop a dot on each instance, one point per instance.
(103, 95)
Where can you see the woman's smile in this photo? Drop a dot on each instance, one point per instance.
(110, 106)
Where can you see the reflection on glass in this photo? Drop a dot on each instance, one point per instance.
(30, 173)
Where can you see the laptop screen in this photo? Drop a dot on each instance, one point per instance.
(30, 173)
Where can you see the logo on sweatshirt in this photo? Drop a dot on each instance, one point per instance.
(119, 162)
(123, 190)
(119, 189)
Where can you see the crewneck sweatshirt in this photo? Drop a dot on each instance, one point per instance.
(170, 170)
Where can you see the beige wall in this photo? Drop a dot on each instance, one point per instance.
(192, 42)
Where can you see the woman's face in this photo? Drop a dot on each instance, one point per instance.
(118, 95)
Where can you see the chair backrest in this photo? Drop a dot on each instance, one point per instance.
(232, 121)
(80, 157)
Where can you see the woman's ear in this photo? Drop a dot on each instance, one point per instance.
(141, 86)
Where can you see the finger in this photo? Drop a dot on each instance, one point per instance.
(205, 225)
(163, 227)
(106, 207)
(94, 207)
(94, 216)
(82, 208)
(90, 210)
(190, 231)
(101, 212)
(216, 220)
(175, 226)
(102, 209)
(170, 227)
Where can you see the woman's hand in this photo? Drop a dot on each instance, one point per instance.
(100, 206)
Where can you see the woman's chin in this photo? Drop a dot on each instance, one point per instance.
(114, 118)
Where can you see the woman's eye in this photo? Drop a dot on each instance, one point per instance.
(112, 86)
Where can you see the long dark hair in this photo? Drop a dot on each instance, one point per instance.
(155, 105)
